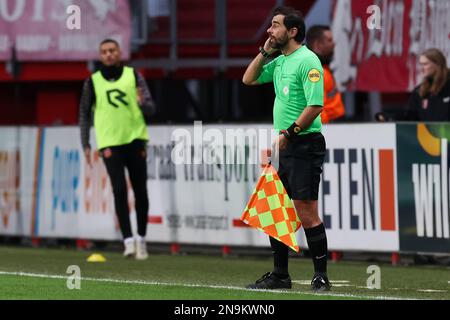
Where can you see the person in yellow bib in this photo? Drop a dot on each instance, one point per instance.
(116, 98)
(297, 77)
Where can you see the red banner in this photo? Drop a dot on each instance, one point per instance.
(378, 42)
(62, 29)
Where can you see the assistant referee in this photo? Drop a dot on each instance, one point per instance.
(297, 76)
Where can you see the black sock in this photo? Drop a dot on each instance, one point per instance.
(280, 258)
(317, 243)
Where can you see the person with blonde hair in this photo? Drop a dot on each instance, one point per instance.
(430, 100)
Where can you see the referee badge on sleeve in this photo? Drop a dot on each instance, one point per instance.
(314, 75)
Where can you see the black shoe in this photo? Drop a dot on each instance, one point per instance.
(320, 283)
(270, 281)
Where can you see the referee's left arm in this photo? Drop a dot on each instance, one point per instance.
(311, 77)
(308, 115)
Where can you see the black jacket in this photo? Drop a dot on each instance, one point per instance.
(431, 107)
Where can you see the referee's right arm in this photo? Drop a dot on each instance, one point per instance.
(253, 71)
(255, 67)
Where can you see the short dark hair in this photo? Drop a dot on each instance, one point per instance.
(292, 19)
(315, 33)
(110, 41)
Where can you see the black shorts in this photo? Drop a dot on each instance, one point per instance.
(301, 166)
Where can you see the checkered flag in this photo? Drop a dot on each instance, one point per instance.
(271, 211)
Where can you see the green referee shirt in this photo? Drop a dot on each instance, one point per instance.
(298, 82)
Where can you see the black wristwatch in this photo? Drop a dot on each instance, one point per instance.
(264, 52)
(294, 130)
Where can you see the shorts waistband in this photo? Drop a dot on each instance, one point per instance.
(307, 137)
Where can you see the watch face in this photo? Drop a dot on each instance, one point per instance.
(297, 129)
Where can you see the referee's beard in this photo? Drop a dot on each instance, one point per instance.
(280, 44)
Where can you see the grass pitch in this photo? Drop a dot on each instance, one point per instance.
(27, 273)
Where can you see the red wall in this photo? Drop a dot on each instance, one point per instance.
(56, 108)
(39, 103)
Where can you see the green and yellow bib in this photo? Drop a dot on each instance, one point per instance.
(118, 119)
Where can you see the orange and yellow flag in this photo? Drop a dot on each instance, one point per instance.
(271, 211)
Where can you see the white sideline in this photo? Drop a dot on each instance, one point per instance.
(308, 282)
(188, 285)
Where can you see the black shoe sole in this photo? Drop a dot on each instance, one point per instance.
(321, 289)
(254, 287)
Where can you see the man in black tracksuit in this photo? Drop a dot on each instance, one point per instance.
(117, 97)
